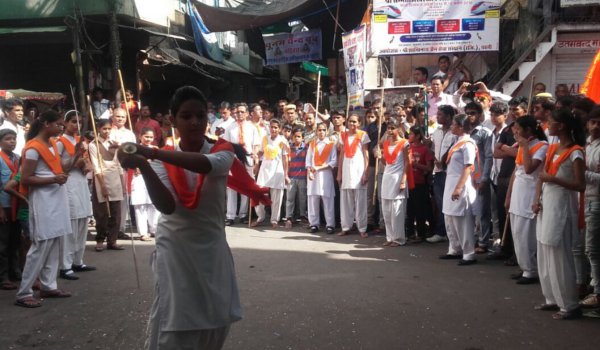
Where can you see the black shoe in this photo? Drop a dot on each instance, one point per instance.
(123, 235)
(64, 274)
(83, 268)
(314, 229)
(244, 220)
(228, 222)
(528, 280)
(450, 257)
(329, 230)
(516, 276)
(463, 262)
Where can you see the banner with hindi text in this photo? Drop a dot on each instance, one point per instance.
(293, 47)
(354, 46)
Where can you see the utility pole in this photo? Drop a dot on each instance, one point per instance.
(115, 46)
(76, 57)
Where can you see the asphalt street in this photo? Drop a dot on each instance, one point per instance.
(311, 291)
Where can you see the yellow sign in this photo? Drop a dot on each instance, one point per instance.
(492, 14)
(380, 18)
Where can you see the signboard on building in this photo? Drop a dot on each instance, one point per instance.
(293, 47)
(567, 3)
(354, 44)
(405, 27)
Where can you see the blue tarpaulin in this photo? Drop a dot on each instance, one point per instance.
(206, 42)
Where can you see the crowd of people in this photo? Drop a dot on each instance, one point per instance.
(469, 168)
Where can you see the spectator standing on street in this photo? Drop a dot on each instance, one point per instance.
(146, 122)
(419, 201)
(296, 189)
(146, 215)
(13, 117)
(43, 175)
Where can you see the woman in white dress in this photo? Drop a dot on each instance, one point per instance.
(196, 295)
(321, 158)
(146, 215)
(460, 194)
(521, 195)
(395, 184)
(352, 175)
(80, 203)
(557, 224)
(49, 219)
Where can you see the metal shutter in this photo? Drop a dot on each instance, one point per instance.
(571, 70)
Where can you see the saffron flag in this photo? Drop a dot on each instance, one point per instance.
(591, 85)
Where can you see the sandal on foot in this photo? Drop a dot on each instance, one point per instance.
(28, 302)
(568, 315)
(256, 223)
(8, 285)
(99, 247)
(343, 233)
(55, 293)
(547, 307)
(364, 234)
(395, 244)
(387, 243)
(145, 238)
(591, 301)
(114, 246)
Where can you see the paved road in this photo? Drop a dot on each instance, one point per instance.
(304, 291)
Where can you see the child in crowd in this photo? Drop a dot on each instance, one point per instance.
(321, 158)
(557, 210)
(460, 195)
(273, 172)
(419, 201)
(146, 215)
(395, 183)
(109, 187)
(44, 178)
(9, 227)
(521, 195)
(80, 205)
(352, 176)
(297, 189)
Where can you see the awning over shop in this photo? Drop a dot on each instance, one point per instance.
(315, 68)
(26, 30)
(31, 95)
(227, 65)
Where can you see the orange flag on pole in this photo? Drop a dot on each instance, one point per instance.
(591, 86)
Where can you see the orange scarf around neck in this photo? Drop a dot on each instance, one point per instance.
(532, 150)
(320, 158)
(350, 148)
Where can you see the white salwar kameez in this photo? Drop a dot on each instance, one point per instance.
(393, 199)
(146, 215)
(80, 209)
(353, 193)
(557, 233)
(522, 217)
(271, 175)
(196, 294)
(49, 220)
(321, 187)
(459, 214)
(123, 135)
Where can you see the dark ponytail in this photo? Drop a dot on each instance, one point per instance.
(574, 126)
(528, 122)
(48, 116)
(186, 93)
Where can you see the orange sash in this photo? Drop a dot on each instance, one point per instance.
(456, 147)
(532, 150)
(52, 160)
(552, 167)
(391, 158)
(320, 158)
(350, 149)
(69, 147)
(14, 168)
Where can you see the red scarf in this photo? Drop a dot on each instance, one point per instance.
(350, 149)
(552, 167)
(239, 180)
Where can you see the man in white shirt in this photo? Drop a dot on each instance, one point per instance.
(244, 133)
(220, 125)
(13, 117)
(437, 97)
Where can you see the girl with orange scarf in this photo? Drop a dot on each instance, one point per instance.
(557, 209)
(352, 176)
(321, 158)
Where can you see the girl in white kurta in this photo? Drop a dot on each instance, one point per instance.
(321, 158)
(394, 184)
(80, 203)
(146, 215)
(196, 295)
(49, 217)
(557, 225)
(460, 195)
(521, 194)
(273, 172)
(353, 175)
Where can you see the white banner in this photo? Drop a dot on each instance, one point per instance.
(354, 44)
(294, 47)
(405, 27)
(567, 3)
